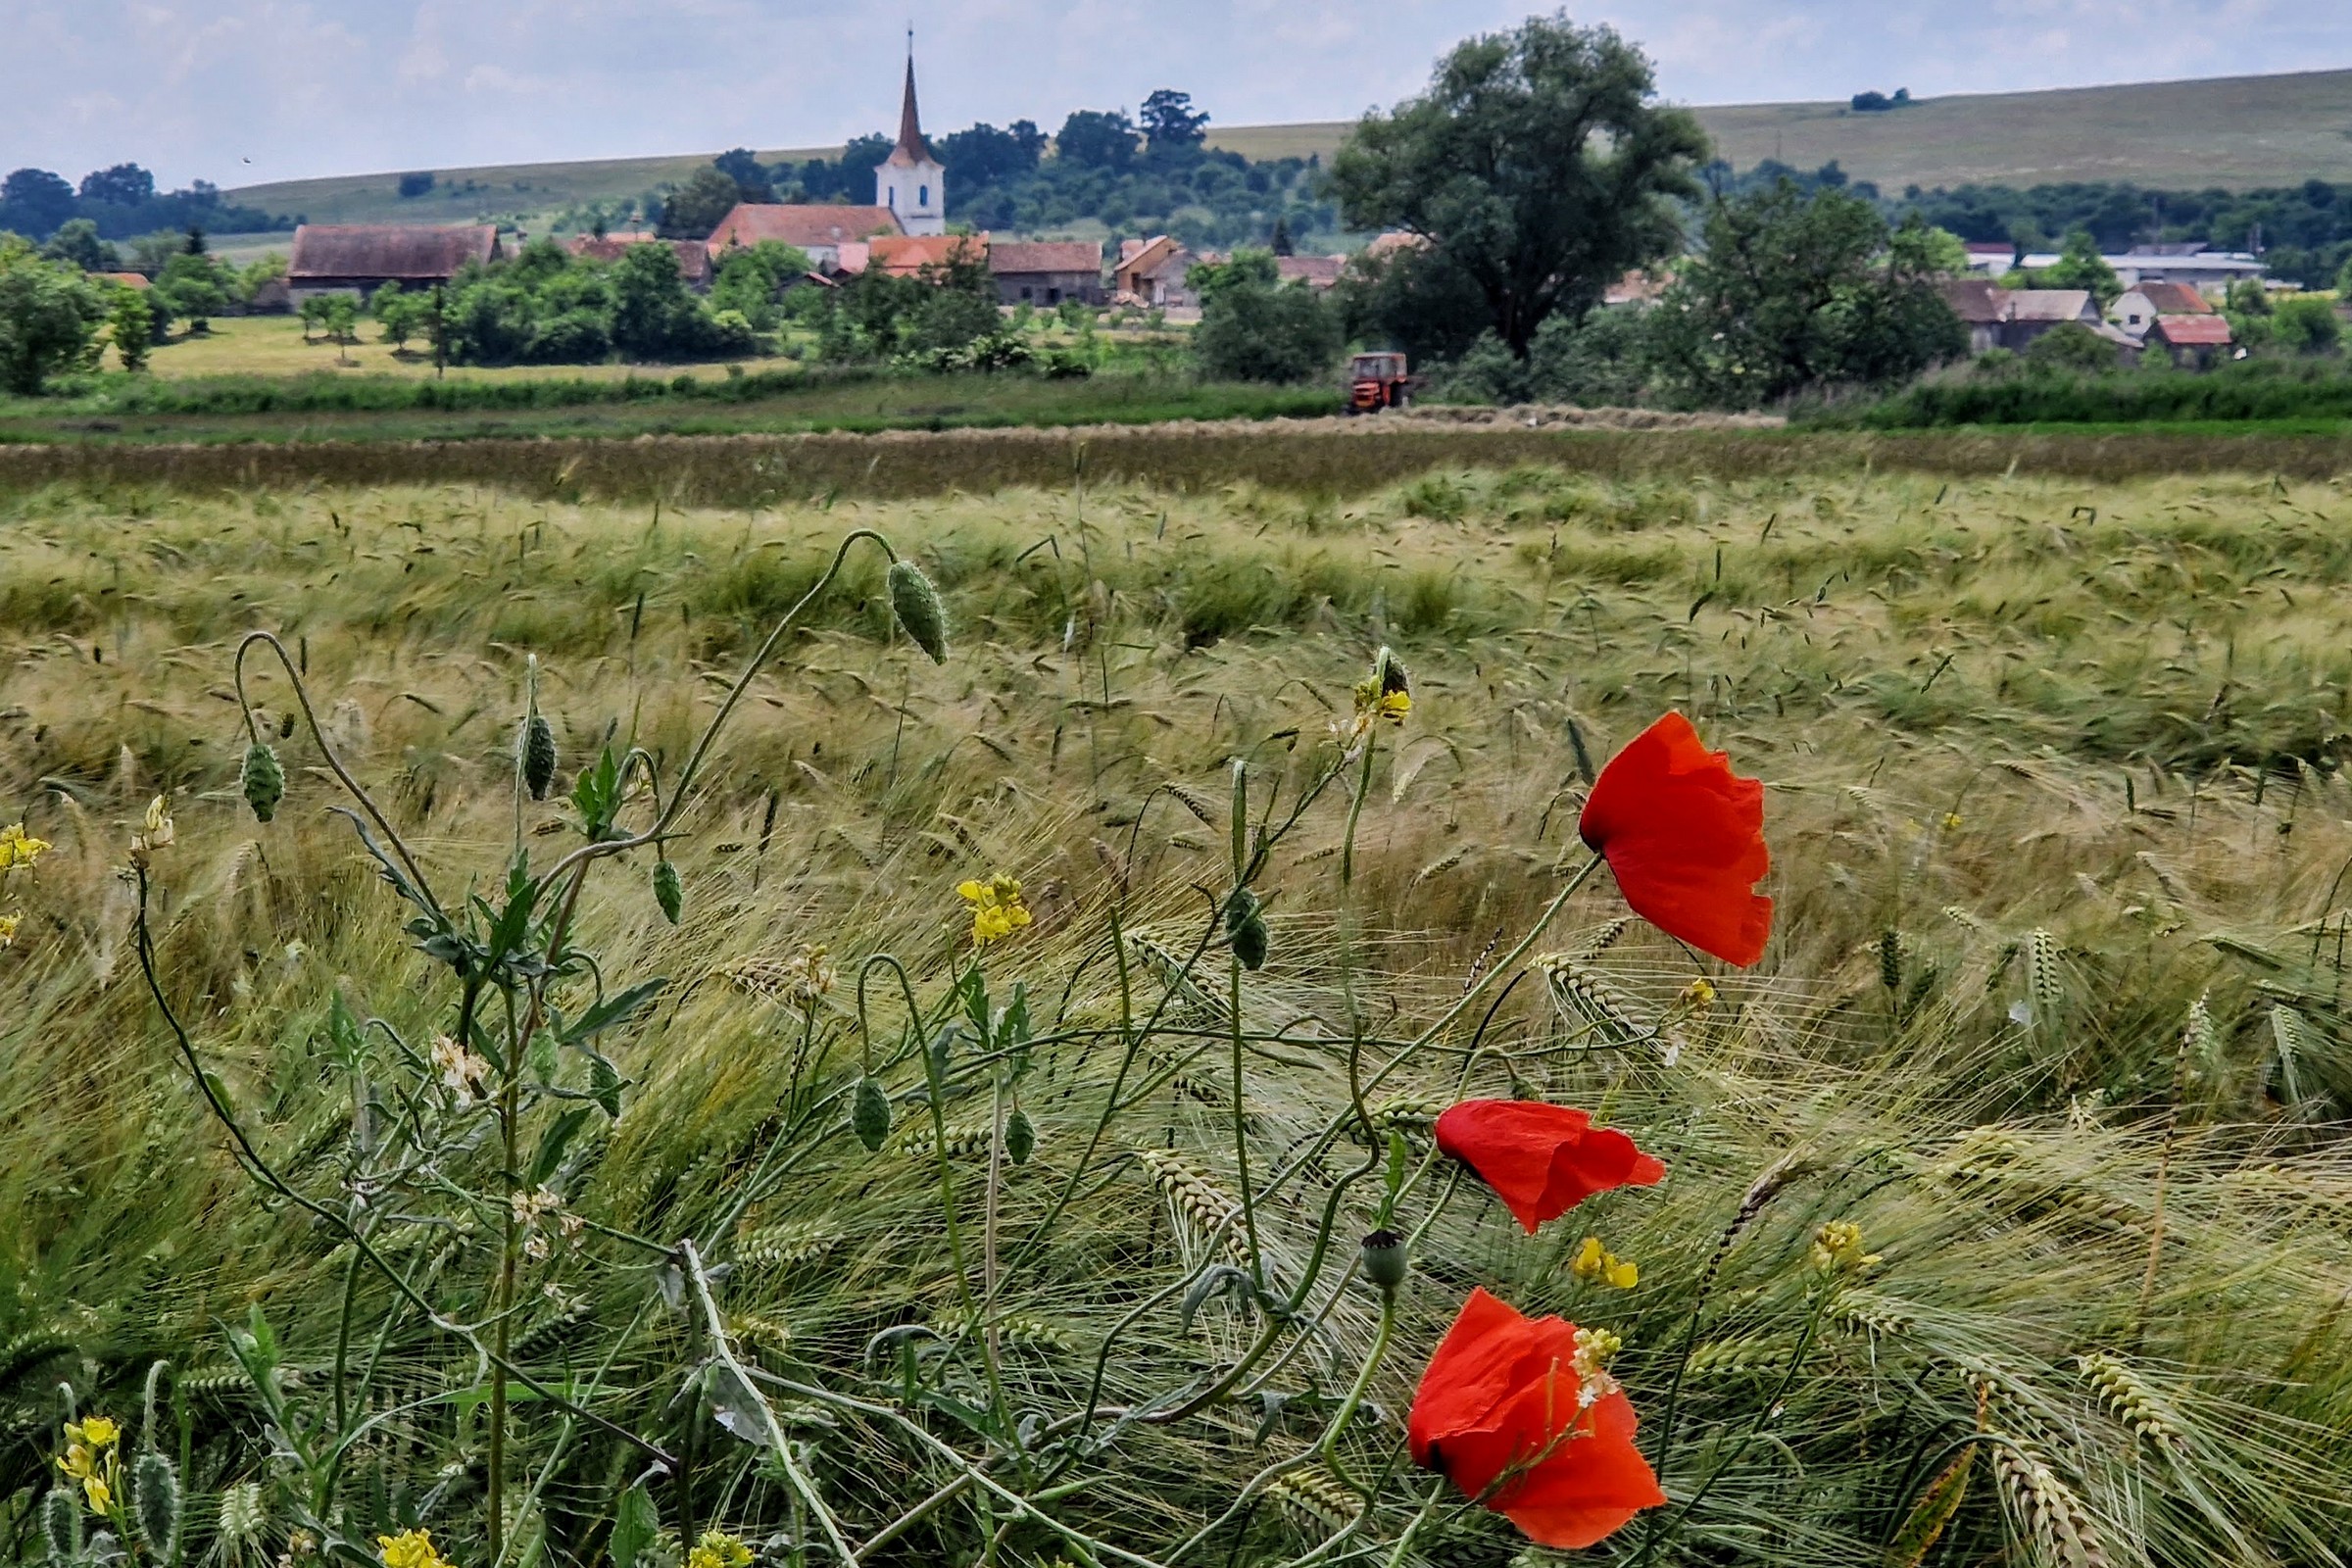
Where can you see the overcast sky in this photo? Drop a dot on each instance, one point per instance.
(240, 91)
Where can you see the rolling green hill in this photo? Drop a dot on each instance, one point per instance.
(2233, 131)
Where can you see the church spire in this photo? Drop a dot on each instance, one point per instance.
(912, 146)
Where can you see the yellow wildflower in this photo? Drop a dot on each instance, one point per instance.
(1951, 821)
(718, 1549)
(100, 1433)
(1595, 1262)
(1593, 1347)
(411, 1548)
(8, 929)
(97, 1494)
(17, 847)
(1698, 994)
(78, 1462)
(997, 907)
(1837, 1249)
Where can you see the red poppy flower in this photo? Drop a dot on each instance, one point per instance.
(1541, 1161)
(1685, 836)
(1501, 1413)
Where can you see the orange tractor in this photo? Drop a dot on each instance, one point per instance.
(1377, 381)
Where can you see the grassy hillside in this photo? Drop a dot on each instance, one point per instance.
(2237, 133)
(2053, 1012)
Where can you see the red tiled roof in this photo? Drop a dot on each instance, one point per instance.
(2175, 299)
(693, 256)
(1046, 256)
(1315, 271)
(1395, 239)
(905, 255)
(133, 280)
(2198, 331)
(802, 225)
(411, 253)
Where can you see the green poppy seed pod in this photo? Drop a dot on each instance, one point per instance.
(265, 781)
(61, 1526)
(1021, 1136)
(1246, 929)
(916, 604)
(155, 1503)
(538, 756)
(869, 1113)
(668, 890)
(1384, 1260)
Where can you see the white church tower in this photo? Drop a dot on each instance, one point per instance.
(910, 182)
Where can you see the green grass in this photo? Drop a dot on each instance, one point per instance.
(2054, 786)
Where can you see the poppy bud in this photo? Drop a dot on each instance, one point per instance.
(538, 756)
(916, 604)
(156, 1505)
(1246, 929)
(265, 781)
(668, 890)
(1384, 1260)
(869, 1113)
(1021, 1136)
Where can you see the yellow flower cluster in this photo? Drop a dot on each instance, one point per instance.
(1837, 1249)
(997, 907)
(411, 1548)
(718, 1549)
(92, 1458)
(1698, 994)
(1595, 1262)
(1593, 1349)
(19, 848)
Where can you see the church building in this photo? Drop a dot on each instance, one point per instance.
(910, 182)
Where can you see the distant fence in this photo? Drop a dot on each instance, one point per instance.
(1330, 458)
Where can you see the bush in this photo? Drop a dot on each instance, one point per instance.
(1255, 333)
(2305, 325)
(2071, 346)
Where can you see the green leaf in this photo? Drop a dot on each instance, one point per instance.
(636, 1524)
(612, 1010)
(552, 1144)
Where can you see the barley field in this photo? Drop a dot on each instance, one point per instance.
(367, 1197)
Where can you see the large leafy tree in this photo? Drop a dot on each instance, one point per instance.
(1539, 165)
(700, 205)
(49, 318)
(1793, 290)
(1098, 139)
(1170, 122)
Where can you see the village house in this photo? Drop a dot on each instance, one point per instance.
(1990, 258)
(695, 262)
(2031, 311)
(2194, 342)
(2207, 271)
(1983, 308)
(1152, 272)
(2136, 311)
(1046, 272)
(362, 258)
(821, 231)
(1318, 273)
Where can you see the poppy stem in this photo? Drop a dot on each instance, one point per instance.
(1329, 1446)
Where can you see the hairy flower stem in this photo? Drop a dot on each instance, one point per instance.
(502, 1303)
(972, 1315)
(1241, 1127)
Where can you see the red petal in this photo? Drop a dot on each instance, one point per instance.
(1685, 837)
(1469, 1374)
(1590, 1487)
(1541, 1161)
